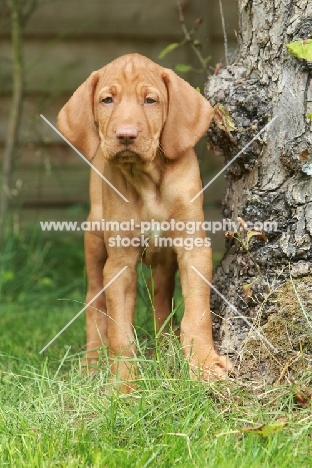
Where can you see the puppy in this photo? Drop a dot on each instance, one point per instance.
(138, 122)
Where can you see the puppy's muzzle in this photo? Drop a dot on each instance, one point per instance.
(126, 135)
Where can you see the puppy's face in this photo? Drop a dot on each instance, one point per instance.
(130, 107)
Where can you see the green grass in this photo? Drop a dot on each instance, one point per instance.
(52, 415)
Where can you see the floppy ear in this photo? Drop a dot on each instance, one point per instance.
(76, 119)
(189, 115)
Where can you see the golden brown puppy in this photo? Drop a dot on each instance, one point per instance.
(138, 123)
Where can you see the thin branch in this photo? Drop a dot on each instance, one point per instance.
(30, 7)
(224, 34)
(16, 107)
(188, 37)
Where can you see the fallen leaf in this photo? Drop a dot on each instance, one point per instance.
(247, 289)
(303, 396)
(304, 155)
(229, 234)
(266, 429)
(251, 234)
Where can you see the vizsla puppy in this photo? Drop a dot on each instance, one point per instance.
(138, 122)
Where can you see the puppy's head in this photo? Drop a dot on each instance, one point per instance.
(130, 108)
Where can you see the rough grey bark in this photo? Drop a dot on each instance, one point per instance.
(267, 183)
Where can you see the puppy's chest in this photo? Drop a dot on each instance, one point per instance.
(153, 207)
(150, 216)
(151, 203)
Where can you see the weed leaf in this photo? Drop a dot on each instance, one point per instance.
(168, 49)
(182, 68)
(301, 49)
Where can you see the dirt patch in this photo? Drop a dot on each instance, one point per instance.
(288, 328)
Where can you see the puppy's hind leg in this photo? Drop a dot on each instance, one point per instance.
(161, 287)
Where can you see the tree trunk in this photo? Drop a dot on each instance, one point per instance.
(269, 283)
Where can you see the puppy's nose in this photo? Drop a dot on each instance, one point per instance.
(126, 134)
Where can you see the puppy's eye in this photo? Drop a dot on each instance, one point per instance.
(149, 100)
(108, 100)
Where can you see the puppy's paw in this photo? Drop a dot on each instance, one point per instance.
(124, 375)
(89, 365)
(210, 367)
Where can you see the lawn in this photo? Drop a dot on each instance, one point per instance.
(53, 415)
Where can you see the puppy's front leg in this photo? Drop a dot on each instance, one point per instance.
(120, 301)
(196, 325)
(95, 254)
